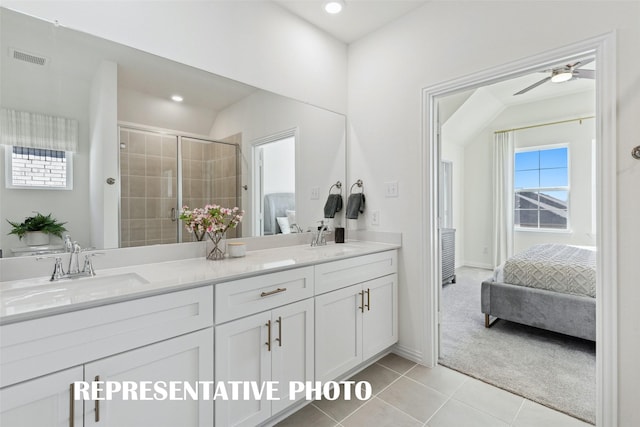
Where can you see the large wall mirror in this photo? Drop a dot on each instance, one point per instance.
(225, 142)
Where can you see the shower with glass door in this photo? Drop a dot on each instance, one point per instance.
(160, 173)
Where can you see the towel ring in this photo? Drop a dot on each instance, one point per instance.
(359, 184)
(337, 185)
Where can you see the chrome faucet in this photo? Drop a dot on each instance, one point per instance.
(319, 239)
(74, 264)
(73, 271)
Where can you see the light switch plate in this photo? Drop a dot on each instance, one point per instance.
(315, 193)
(391, 189)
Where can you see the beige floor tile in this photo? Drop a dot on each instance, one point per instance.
(339, 409)
(443, 379)
(396, 363)
(417, 400)
(534, 415)
(380, 414)
(457, 414)
(497, 402)
(378, 376)
(309, 416)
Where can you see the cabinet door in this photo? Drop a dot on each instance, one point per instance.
(242, 355)
(42, 402)
(338, 332)
(184, 358)
(292, 352)
(380, 318)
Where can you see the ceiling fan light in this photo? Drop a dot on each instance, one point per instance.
(561, 76)
(334, 6)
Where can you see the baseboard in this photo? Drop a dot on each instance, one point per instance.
(477, 265)
(408, 353)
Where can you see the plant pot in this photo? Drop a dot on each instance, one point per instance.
(36, 238)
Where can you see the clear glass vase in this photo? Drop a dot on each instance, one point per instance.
(216, 245)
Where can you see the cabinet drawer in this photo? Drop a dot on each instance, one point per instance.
(36, 347)
(243, 297)
(339, 274)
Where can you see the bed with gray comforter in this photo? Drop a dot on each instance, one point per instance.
(550, 286)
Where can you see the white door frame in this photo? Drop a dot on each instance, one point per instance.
(604, 49)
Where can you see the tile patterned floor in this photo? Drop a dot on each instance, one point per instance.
(407, 394)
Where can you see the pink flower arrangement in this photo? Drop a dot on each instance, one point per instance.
(210, 219)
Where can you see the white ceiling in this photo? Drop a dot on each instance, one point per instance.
(357, 19)
(466, 114)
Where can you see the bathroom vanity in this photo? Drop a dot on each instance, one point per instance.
(285, 314)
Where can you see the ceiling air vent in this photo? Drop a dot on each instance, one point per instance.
(28, 57)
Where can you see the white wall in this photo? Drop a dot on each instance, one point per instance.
(255, 42)
(445, 40)
(103, 157)
(320, 147)
(279, 166)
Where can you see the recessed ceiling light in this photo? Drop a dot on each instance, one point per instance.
(177, 98)
(334, 6)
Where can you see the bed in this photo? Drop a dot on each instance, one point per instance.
(549, 286)
(276, 206)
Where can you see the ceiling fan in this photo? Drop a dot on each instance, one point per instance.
(563, 74)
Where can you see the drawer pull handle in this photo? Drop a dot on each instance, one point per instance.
(368, 299)
(268, 343)
(279, 339)
(72, 411)
(276, 291)
(361, 307)
(97, 403)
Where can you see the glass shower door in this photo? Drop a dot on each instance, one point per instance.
(209, 176)
(149, 183)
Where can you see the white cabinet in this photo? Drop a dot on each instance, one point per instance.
(48, 400)
(147, 339)
(188, 358)
(275, 345)
(353, 324)
(44, 402)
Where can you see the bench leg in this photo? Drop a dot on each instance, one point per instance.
(487, 323)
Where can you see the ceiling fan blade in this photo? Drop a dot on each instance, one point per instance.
(535, 85)
(585, 74)
(583, 63)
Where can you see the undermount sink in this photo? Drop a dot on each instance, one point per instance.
(25, 295)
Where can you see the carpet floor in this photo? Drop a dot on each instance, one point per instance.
(555, 370)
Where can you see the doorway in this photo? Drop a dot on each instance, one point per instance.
(274, 171)
(602, 48)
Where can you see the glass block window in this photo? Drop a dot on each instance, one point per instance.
(38, 168)
(541, 181)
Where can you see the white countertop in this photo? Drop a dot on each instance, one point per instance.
(28, 299)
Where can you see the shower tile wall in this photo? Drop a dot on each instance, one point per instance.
(148, 171)
(209, 175)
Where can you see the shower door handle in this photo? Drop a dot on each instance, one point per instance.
(173, 215)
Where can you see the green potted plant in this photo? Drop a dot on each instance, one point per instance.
(37, 229)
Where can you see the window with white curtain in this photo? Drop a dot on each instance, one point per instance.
(38, 149)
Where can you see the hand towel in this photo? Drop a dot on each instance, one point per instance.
(333, 205)
(355, 205)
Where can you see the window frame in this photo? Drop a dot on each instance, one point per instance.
(8, 175)
(566, 188)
